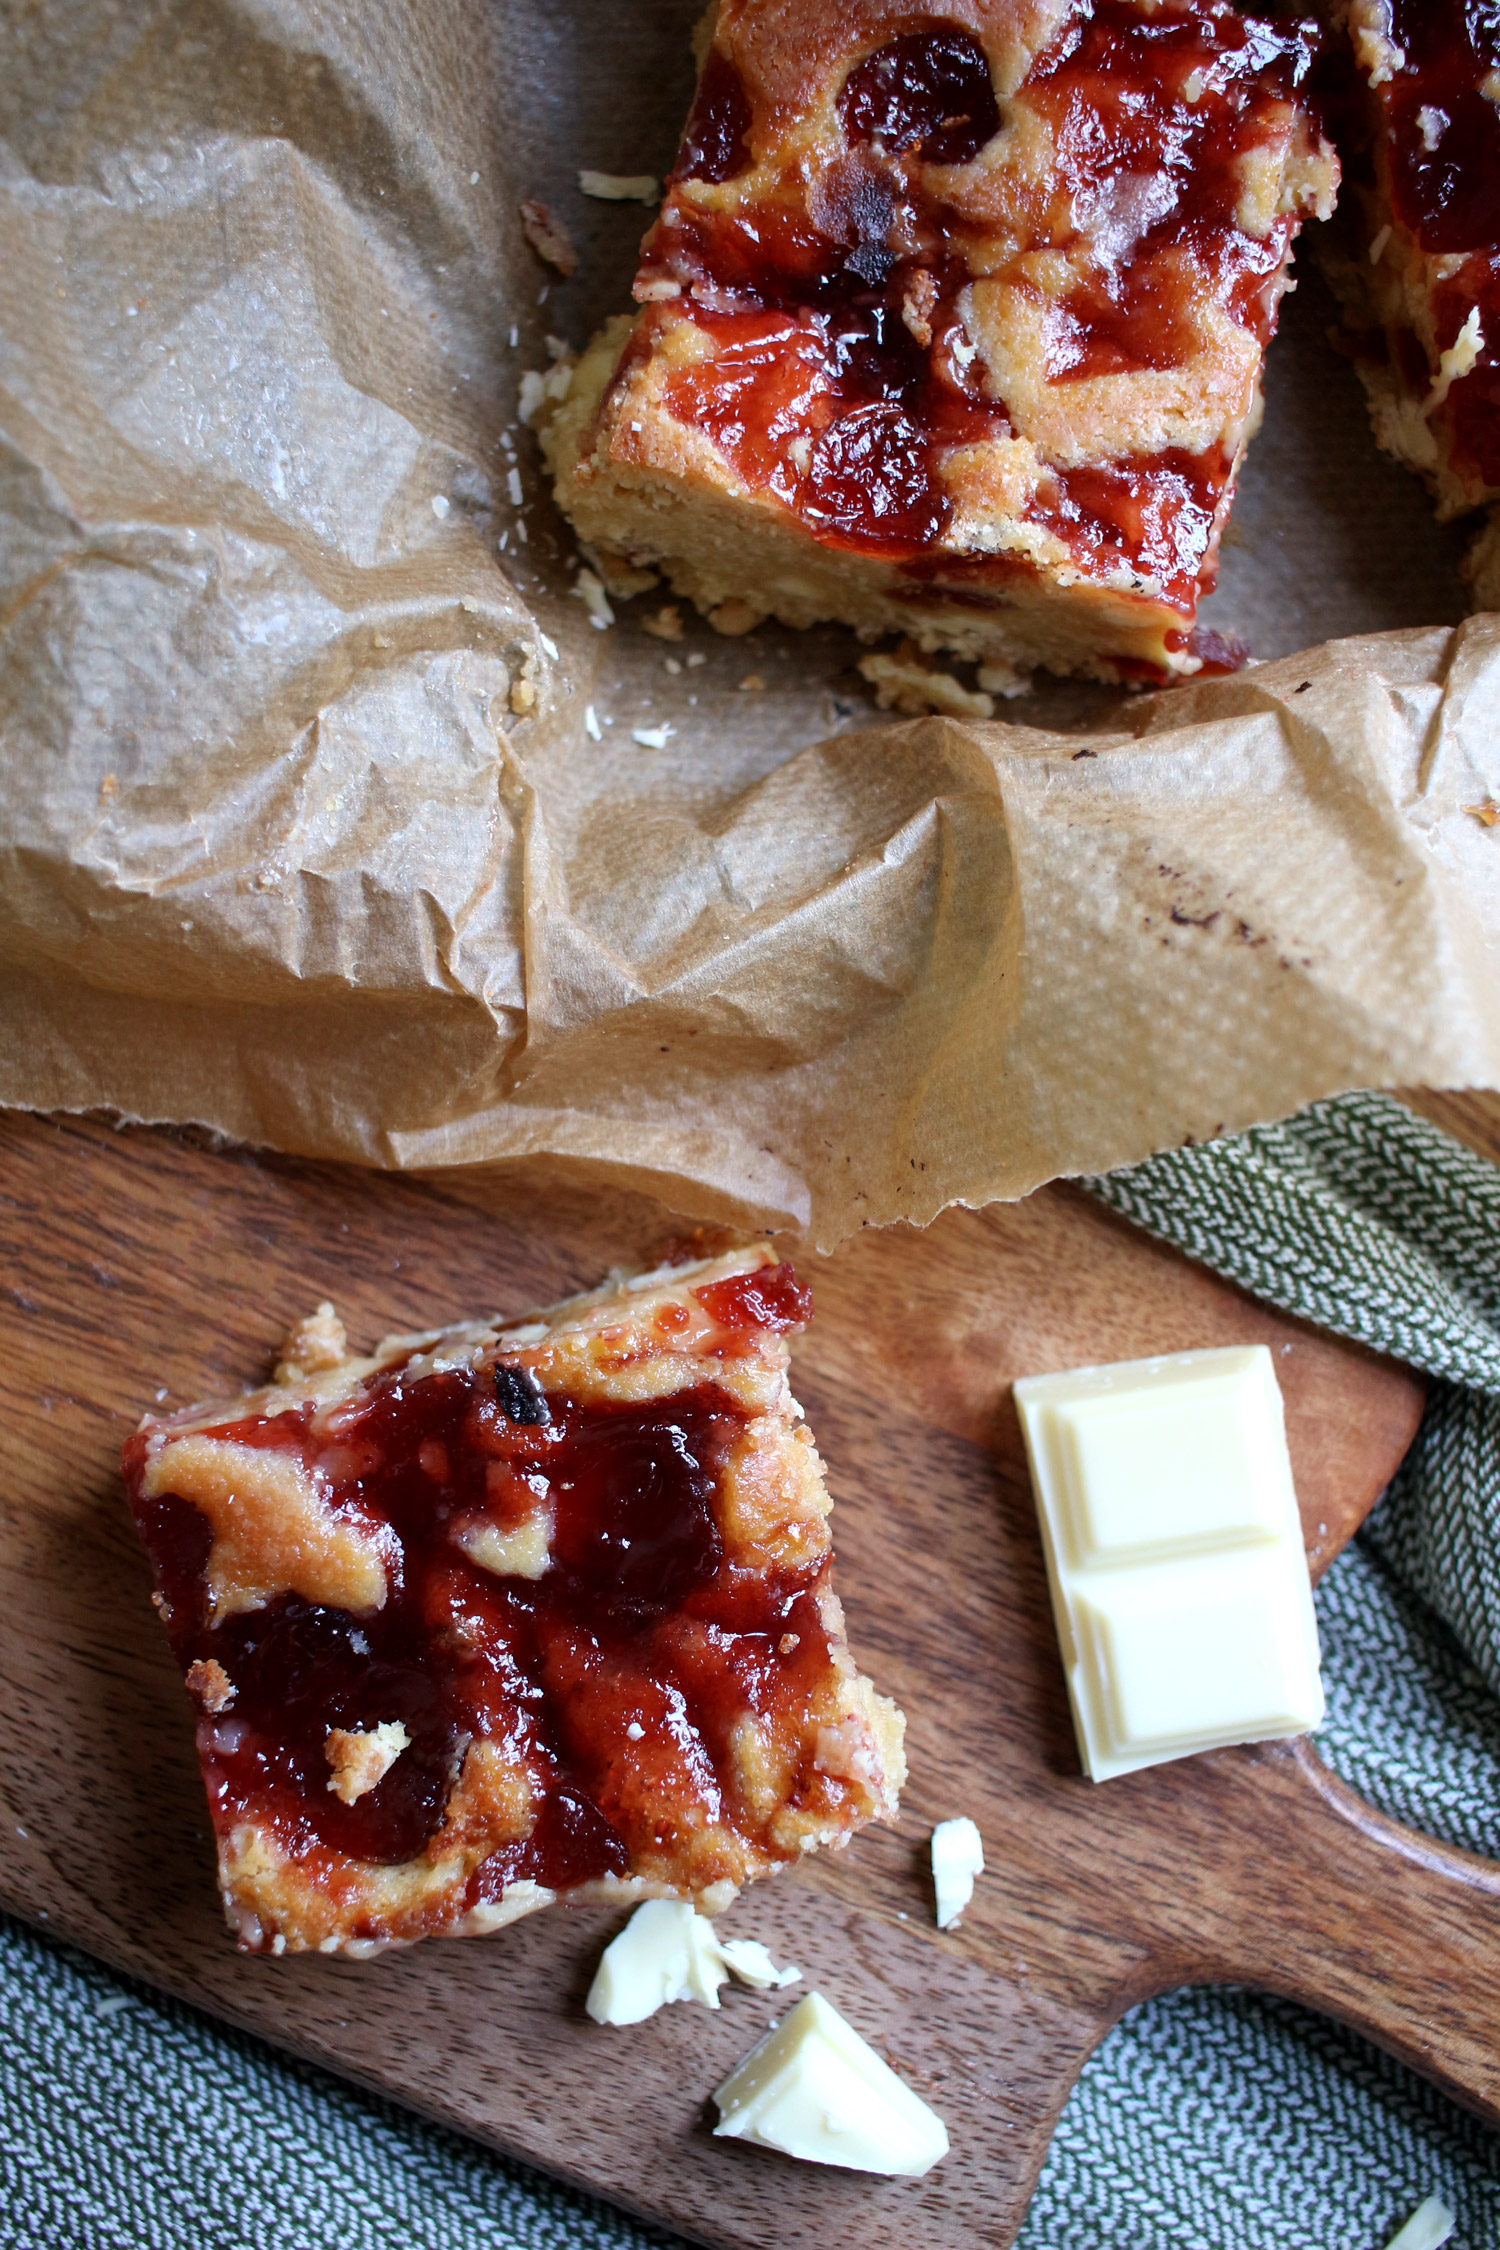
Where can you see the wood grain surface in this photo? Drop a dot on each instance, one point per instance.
(138, 1267)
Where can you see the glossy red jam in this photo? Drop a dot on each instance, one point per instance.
(714, 146)
(620, 1671)
(769, 1298)
(842, 372)
(1443, 138)
(926, 90)
(1445, 168)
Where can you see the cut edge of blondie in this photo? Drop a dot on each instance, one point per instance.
(741, 559)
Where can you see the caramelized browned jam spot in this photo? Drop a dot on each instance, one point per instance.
(928, 90)
(519, 1395)
(1218, 654)
(302, 1670)
(1472, 407)
(571, 1838)
(861, 395)
(618, 1675)
(714, 146)
(842, 374)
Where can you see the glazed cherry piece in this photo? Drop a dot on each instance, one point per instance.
(771, 1298)
(927, 90)
(1445, 134)
(715, 146)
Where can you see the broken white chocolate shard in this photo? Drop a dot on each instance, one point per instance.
(957, 1857)
(668, 1952)
(1428, 2228)
(1174, 1551)
(749, 1962)
(813, 2089)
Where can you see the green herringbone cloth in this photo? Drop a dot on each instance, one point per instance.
(1208, 2120)
(1360, 1216)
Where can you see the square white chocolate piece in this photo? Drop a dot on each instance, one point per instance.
(1174, 1553)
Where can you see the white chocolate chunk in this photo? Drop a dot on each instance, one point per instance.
(749, 1962)
(957, 1857)
(815, 2090)
(1174, 1552)
(1428, 2228)
(667, 1952)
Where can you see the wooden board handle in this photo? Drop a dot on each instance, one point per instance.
(1390, 1932)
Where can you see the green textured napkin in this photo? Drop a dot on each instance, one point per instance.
(1362, 1217)
(1208, 2120)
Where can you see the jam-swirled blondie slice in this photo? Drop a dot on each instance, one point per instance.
(1422, 293)
(952, 322)
(514, 1612)
(1426, 288)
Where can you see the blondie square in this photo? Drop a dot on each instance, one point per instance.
(513, 1612)
(952, 324)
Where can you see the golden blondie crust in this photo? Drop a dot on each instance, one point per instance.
(952, 325)
(513, 1612)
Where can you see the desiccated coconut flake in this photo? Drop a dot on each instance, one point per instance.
(539, 390)
(590, 591)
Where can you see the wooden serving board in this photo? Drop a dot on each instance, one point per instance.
(136, 1265)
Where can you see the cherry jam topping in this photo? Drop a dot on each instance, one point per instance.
(770, 1298)
(843, 373)
(927, 90)
(715, 146)
(1445, 134)
(1444, 147)
(1162, 522)
(1152, 115)
(620, 1673)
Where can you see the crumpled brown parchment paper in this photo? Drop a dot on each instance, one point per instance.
(278, 854)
